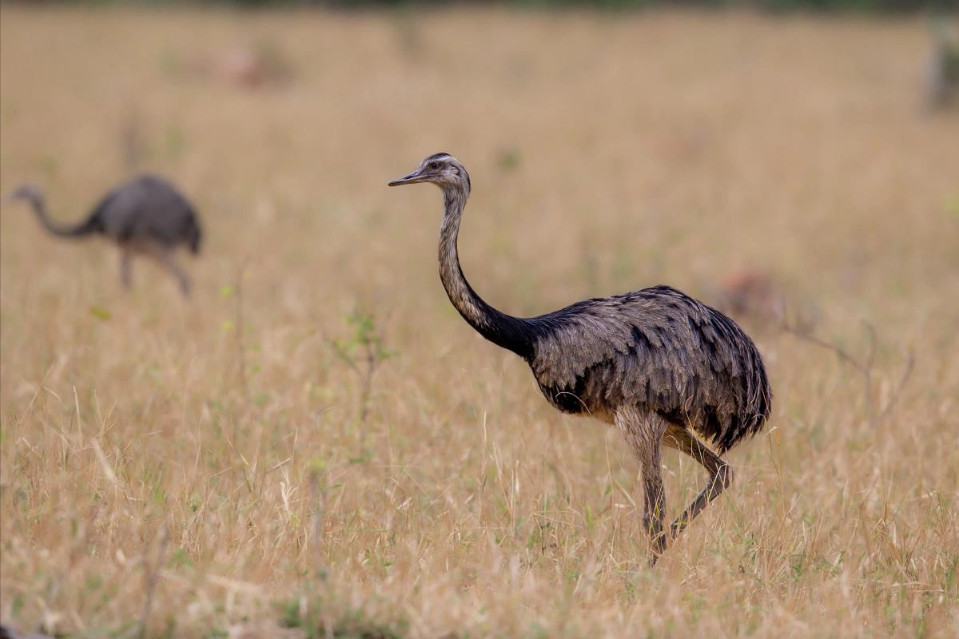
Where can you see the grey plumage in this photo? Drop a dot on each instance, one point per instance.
(661, 366)
(145, 216)
(655, 348)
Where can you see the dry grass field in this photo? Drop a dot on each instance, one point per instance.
(206, 469)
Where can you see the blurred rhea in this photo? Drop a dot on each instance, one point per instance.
(145, 216)
(942, 67)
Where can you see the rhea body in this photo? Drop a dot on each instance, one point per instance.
(145, 216)
(659, 365)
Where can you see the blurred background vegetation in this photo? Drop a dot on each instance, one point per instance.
(885, 6)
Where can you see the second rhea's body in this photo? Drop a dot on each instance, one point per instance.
(145, 216)
(659, 365)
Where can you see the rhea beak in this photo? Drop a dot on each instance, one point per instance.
(413, 178)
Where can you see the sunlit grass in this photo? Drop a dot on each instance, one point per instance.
(231, 460)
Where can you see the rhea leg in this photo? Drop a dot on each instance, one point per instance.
(720, 474)
(644, 433)
(126, 274)
(165, 257)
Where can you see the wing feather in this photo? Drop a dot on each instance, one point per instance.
(657, 349)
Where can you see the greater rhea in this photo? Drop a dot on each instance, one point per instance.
(145, 216)
(659, 365)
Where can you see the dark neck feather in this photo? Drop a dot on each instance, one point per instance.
(40, 209)
(503, 330)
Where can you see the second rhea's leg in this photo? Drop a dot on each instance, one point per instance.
(720, 474)
(126, 274)
(644, 433)
(166, 259)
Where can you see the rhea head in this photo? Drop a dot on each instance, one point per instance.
(443, 170)
(27, 192)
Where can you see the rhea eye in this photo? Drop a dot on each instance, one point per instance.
(434, 165)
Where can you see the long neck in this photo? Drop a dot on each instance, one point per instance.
(39, 207)
(503, 330)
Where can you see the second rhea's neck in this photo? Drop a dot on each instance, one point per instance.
(38, 204)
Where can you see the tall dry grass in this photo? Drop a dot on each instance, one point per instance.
(201, 469)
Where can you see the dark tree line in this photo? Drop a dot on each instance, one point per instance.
(879, 6)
